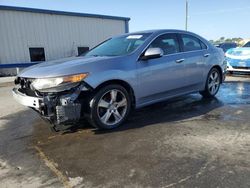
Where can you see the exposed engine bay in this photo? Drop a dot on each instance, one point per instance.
(62, 109)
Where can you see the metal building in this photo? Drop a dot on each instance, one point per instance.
(31, 35)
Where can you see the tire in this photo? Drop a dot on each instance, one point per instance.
(109, 107)
(212, 83)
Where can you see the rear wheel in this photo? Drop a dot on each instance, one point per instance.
(110, 107)
(212, 84)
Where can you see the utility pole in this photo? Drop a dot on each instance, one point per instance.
(186, 26)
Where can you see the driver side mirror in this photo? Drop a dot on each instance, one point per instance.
(152, 53)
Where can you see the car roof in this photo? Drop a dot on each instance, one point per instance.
(156, 32)
(159, 31)
(162, 31)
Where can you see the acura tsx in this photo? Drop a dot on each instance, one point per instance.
(124, 72)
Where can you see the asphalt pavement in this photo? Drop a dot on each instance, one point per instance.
(184, 142)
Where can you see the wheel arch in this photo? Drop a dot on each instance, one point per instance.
(220, 70)
(123, 83)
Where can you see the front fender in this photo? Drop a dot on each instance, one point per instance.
(96, 79)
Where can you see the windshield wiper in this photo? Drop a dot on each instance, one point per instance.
(95, 55)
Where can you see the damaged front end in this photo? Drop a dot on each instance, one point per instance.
(61, 107)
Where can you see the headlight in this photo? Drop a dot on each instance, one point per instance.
(58, 84)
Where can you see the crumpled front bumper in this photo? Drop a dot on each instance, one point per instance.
(61, 110)
(33, 102)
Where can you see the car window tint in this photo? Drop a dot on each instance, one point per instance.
(190, 43)
(247, 44)
(203, 46)
(229, 45)
(168, 43)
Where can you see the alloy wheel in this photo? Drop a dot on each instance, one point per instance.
(112, 107)
(213, 82)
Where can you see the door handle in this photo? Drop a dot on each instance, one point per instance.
(206, 55)
(179, 60)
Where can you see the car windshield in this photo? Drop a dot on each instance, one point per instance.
(247, 44)
(119, 46)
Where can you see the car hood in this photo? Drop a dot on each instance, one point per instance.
(62, 67)
(239, 53)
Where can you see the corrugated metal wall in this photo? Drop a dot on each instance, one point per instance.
(60, 35)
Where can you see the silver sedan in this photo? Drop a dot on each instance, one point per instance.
(127, 71)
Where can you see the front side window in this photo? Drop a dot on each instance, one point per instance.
(203, 46)
(119, 46)
(190, 43)
(167, 42)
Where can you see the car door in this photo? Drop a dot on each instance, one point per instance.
(193, 56)
(161, 77)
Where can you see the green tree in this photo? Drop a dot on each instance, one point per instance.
(222, 39)
(211, 41)
(228, 40)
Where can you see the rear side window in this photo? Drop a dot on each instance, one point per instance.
(167, 42)
(191, 43)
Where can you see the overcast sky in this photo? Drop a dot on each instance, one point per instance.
(209, 18)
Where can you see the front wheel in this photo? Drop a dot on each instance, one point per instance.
(212, 84)
(110, 107)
